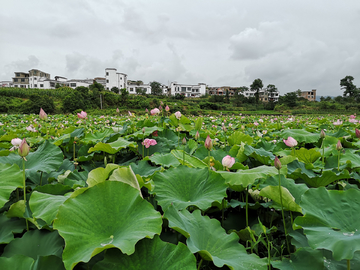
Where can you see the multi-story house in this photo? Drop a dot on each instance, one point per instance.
(221, 91)
(266, 96)
(138, 87)
(188, 90)
(21, 79)
(309, 95)
(37, 78)
(115, 79)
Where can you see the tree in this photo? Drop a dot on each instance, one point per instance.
(227, 97)
(124, 95)
(58, 85)
(156, 88)
(140, 91)
(289, 99)
(96, 85)
(347, 85)
(115, 90)
(257, 85)
(239, 96)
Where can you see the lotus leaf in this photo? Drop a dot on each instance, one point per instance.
(16, 262)
(113, 147)
(111, 214)
(166, 160)
(9, 226)
(288, 201)
(189, 160)
(300, 135)
(11, 177)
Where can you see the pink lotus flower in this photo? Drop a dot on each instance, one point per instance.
(82, 115)
(338, 123)
(117, 110)
(42, 114)
(208, 143)
(291, 142)
(353, 120)
(352, 116)
(155, 111)
(338, 146)
(16, 141)
(197, 135)
(228, 161)
(178, 115)
(148, 142)
(277, 163)
(167, 108)
(24, 148)
(357, 133)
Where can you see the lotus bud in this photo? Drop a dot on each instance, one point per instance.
(277, 163)
(117, 110)
(24, 148)
(322, 134)
(208, 143)
(160, 107)
(228, 161)
(167, 108)
(147, 111)
(291, 142)
(338, 146)
(357, 133)
(42, 114)
(197, 135)
(143, 130)
(183, 141)
(178, 115)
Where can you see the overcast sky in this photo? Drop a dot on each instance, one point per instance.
(292, 44)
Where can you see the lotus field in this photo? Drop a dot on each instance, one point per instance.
(168, 191)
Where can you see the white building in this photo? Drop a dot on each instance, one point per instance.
(134, 88)
(188, 90)
(6, 83)
(115, 79)
(37, 77)
(76, 83)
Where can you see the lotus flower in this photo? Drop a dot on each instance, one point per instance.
(291, 142)
(228, 161)
(16, 142)
(338, 123)
(82, 115)
(357, 133)
(148, 142)
(167, 108)
(338, 146)
(42, 114)
(197, 135)
(178, 115)
(155, 111)
(277, 163)
(208, 143)
(117, 110)
(24, 148)
(322, 134)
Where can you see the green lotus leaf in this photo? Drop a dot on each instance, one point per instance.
(241, 179)
(97, 136)
(36, 243)
(190, 161)
(148, 131)
(112, 147)
(45, 206)
(17, 209)
(198, 123)
(261, 155)
(109, 214)
(146, 257)
(144, 169)
(191, 146)
(9, 226)
(166, 160)
(56, 189)
(48, 262)
(127, 176)
(307, 155)
(300, 135)
(11, 177)
(184, 186)
(352, 157)
(100, 174)
(303, 258)
(47, 158)
(238, 137)
(238, 152)
(16, 262)
(331, 221)
(209, 239)
(288, 201)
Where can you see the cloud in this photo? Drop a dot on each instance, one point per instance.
(21, 65)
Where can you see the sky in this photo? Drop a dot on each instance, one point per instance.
(291, 44)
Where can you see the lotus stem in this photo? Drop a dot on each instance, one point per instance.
(323, 155)
(282, 213)
(41, 174)
(222, 211)
(247, 206)
(348, 264)
(24, 184)
(339, 160)
(200, 263)
(209, 159)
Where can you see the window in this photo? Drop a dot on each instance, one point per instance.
(15, 85)
(183, 89)
(107, 81)
(107, 73)
(132, 89)
(35, 78)
(17, 74)
(35, 85)
(15, 80)
(22, 86)
(72, 84)
(41, 85)
(52, 84)
(22, 80)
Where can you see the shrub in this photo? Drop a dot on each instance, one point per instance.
(36, 102)
(73, 102)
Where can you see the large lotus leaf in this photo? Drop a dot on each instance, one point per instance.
(47, 158)
(11, 177)
(241, 179)
(190, 161)
(144, 169)
(350, 157)
(184, 186)
(307, 155)
(100, 174)
(238, 137)
(296, 190)
(97, 136)
(9, 226)
(288, 201)
(56, 189)
(238, 152)
(261, 155)
(198, 123)
(166, 160)
(16, 262)
(147, 256)
(127, 176)
(45, 206)
(113, 147)
(36, 243)
(300, 135)
(109, 214)
(303, 258)
(48, 262)
(209, 239)
(331, 220)
(146, 131)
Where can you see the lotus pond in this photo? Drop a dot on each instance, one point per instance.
(174, 192)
